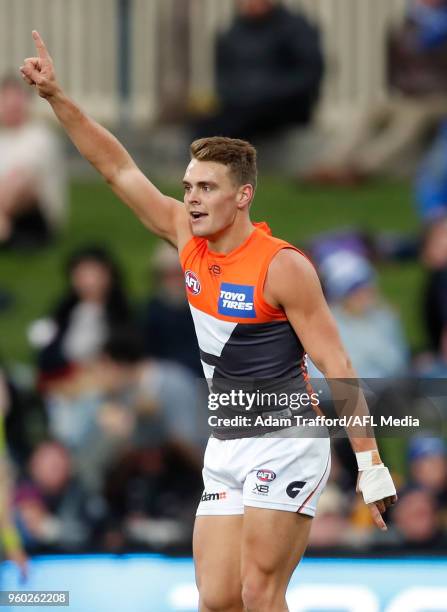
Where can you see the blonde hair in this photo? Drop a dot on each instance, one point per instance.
(238, 155)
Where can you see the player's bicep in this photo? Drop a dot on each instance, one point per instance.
(297, 289)
(161, 214)
(318, 333)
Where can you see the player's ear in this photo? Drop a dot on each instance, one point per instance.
(245, 195)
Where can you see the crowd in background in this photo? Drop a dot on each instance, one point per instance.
(106, 448)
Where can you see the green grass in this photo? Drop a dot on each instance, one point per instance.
(294, 213)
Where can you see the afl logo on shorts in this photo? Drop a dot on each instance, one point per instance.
(265, 475)
(192, 282)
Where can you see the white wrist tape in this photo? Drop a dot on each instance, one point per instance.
(376, 483)
(367, 459)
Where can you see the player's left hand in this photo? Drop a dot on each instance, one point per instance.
(378, 490)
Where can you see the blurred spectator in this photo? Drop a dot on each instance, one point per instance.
(72, 404)
(369, 329)
(93, 307)
(434, 257)
(10, 542)
(428, 466)
(153, 483)
(124, 400)
(331, 527)
(164, 393)
(268, 69)
(32, 173)
(431, 180)
(152, 494)
(417, 69)
(417, 522)
(51, 506)
(168, 330)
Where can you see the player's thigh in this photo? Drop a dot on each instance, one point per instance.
(217, 556)
(273, 543)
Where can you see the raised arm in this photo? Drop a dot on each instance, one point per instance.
(306, 308)
(163, 215)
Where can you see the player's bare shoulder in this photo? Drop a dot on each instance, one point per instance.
(289, 276)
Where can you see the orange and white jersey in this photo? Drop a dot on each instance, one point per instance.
(240, 335)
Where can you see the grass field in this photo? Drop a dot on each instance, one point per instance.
(294, 213)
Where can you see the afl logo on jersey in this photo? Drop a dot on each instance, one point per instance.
(192, 282)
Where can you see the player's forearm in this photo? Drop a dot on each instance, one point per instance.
(349, 400)
(92, 140)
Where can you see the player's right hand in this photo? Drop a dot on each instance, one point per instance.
(39, 71)
(378, 490)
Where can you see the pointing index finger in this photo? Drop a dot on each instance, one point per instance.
(40, 45)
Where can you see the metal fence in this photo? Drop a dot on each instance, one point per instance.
(170, 49)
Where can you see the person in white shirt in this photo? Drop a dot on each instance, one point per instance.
(33, 198)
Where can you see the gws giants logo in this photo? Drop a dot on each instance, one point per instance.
(294, 488)
(192, 282)
(265, 475)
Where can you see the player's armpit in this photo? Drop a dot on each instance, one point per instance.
(161, 214)
(293, 284)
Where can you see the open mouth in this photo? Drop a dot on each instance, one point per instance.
(197, 215)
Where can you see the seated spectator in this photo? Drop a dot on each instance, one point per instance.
(168, 330)
(72, 403)
(428, 466)
(416, 522)
(88, 424)
(52, 509)
(369, 329)
(417, 63)
(268, 69)
(120, 399)
(153, 482)
(33, 198)
(161, 391)
(152, 495)
(94, 305)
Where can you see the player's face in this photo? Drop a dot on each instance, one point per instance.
(212, 199)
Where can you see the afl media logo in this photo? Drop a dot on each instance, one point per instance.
(192, 282)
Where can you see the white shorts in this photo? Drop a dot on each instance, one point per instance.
(287, 473)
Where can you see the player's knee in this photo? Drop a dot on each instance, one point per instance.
(259, 590)
(220, 600)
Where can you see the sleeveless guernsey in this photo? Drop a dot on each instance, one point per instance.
(242, 339)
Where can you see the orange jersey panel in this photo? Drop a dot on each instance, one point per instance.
(230, 286)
